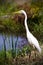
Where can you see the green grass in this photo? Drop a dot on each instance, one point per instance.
(20, 58)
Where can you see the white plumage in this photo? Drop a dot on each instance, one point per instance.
(31, 39)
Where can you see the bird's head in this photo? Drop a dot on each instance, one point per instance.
(21, 11)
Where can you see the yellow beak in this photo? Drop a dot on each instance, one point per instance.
(17, 12)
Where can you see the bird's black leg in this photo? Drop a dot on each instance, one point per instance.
(34, 51)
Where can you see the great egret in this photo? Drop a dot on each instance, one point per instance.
(31, 39)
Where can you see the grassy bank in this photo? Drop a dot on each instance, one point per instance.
(21, 58)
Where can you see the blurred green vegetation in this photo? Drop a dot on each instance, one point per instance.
(35, 19)
(35, 24)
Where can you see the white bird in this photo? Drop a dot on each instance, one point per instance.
(31, 39)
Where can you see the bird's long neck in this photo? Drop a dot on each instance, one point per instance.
(25, 21)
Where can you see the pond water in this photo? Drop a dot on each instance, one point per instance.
(7, 40)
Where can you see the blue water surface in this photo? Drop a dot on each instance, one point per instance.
(20, 41)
